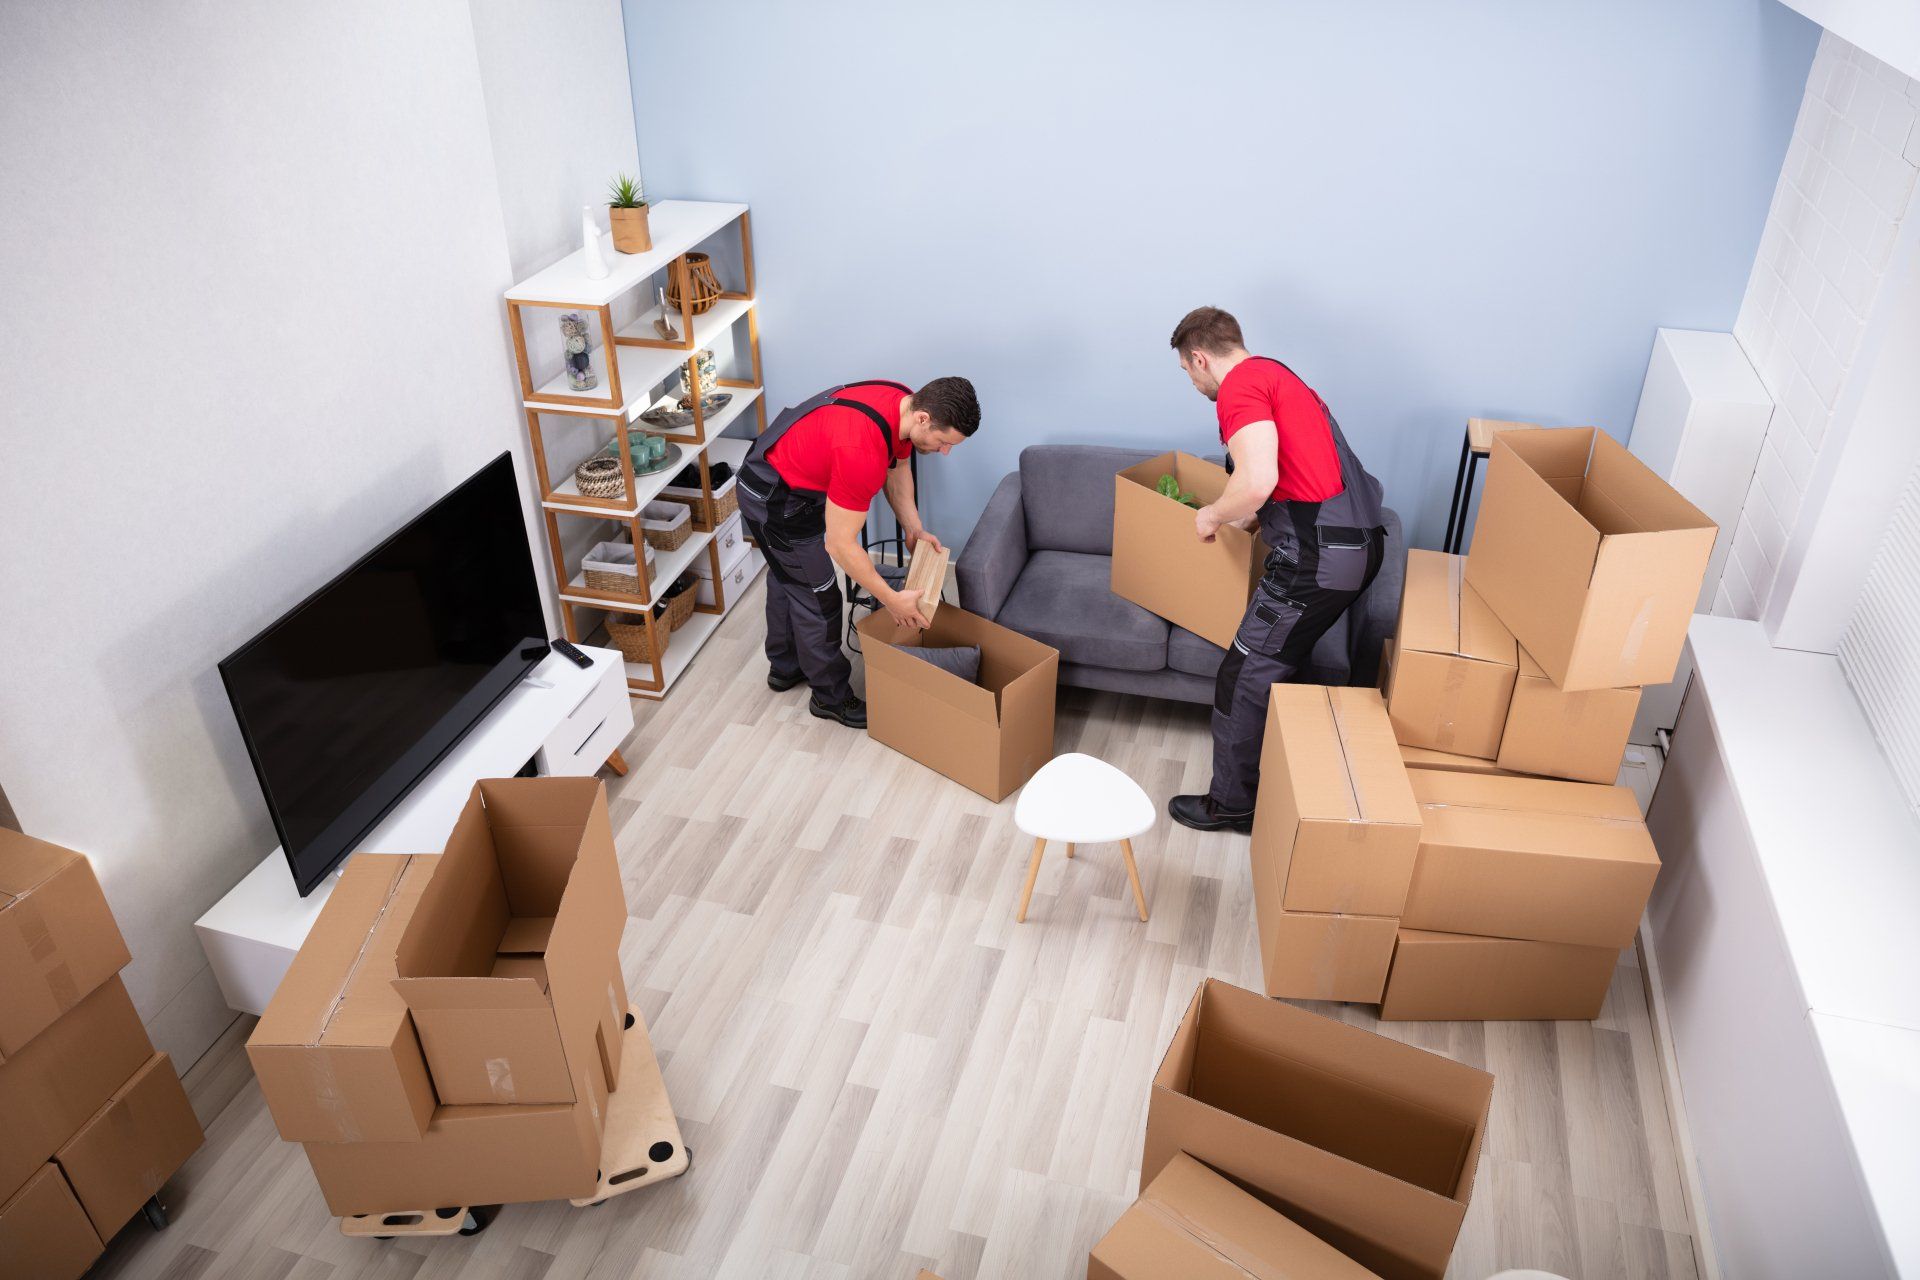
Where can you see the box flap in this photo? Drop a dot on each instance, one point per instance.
(1440, 614)
(309, 998)
(882, 641)
(1315, 763)
(425, 994)
(525, 935)
(457, 925)
(1540, 816)
(1375, 772)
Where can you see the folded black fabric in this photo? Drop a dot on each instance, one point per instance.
(959, 660)
(718, 473)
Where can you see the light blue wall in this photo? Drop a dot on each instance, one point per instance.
(1430, 210)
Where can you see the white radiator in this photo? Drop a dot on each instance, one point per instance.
(1877, 650)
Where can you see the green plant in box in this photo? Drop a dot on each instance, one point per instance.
(1169, 487)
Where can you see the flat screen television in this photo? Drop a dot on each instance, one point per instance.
(350, 699)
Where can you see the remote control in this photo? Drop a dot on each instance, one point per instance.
(571, 652)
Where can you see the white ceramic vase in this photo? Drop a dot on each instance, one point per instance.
(596, 261)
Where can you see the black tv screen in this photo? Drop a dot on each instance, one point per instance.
(348, 700)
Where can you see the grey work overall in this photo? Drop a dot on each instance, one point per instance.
(1322, 556)
(803, 596)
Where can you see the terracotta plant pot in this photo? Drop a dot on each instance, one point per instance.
(630, 233)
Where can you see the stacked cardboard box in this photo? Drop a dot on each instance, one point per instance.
(92, 1120)
(450, 1032)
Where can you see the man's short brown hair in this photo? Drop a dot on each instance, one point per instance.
(1207, 329)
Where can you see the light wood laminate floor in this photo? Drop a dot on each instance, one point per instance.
(878, 1070)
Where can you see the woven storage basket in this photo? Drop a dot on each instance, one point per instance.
(628, 631)
(610, 566)
(684, 595)
(599, 477)
(701, 283)
(726, 499)
(666, 524)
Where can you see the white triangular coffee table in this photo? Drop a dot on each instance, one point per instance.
(1080, 800)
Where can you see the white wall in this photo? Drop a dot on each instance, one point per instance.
(1887, 29)
(253, 258)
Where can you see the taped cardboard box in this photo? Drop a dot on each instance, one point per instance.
(1578, 735)
(1161, 565)
(529, 874)
(58, 939)
(44, 1233)
(1317, 955)
(1529, 858)
(1192, 1223)
(1335, 827)
(1368, 1143)
(335, 1053)
(1590, 559)
(65, 1075)
(989, 737)
(1450, 976)
(131, 1146)
(1453, 664)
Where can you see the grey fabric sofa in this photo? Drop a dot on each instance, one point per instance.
(1039, 562)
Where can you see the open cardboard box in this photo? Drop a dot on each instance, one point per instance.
(1454, 664)
(989, 737)
(1589, 558)
(1368, 1143)
(1160, 565)
(58, 939)
(511, 951)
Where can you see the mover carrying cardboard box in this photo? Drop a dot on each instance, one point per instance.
(1590, 559)
(58, 939)
(1159, 563)
(1442, 976)
(1453, 663)
(1529, 858)
(1368, 1143)
(1559, 734)
(989, 737)
(1192, 1223)
(44, 1233)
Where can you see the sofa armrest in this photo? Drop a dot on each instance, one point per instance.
(995, 552)
(1377, 613)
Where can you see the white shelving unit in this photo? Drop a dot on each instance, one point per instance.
(634, 364)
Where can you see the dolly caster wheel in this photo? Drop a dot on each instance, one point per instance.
(478, 1219)
(156, 1213)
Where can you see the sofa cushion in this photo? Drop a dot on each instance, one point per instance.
(1068, 494)
(961, 660)
(1063, 599)
(1195, 655)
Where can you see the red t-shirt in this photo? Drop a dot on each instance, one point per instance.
(839, 451)
(1267, 391)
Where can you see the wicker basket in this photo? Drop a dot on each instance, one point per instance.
(701, 283)
(599, 477)
(629, 633)
(681, 597)
(610, 566)
(666, 524)
(726, 499)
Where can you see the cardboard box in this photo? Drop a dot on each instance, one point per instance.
(1446, 976)
(1313, 955)
(989, 737)
(64, 1075)
(1453, 664)
(1192, 1223)
(44, 1233)
(1368, 1143)
(1160, 565)
(1335, 827)
(1589, 558)
(131, 1146)
(335, 1053)
(1580, 735)
(1422, 758)
(529, 875)
(1529, 858)
(58, 939)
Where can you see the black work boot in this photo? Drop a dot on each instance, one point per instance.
(1200, 813)
(780, 684)
(851, 713)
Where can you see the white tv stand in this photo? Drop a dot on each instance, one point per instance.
(566, 719)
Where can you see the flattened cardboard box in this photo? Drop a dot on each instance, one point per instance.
(335, 1053)
(64, 1075)
(1161, 565)
(529, 873)
(1581, 736)
(1529, 858)
(1453, 665)
(58, 939)
(44, 1233)
(989, 737)
(1335, 827)
(131, 1146)
(1440, 977)
(1368, 1143)
(1192, 1223)
(1590, 559)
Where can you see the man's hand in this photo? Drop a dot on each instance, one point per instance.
(904, 608)
(1206, 523)
(917, 535)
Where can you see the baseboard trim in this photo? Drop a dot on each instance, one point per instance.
(1706, 1259)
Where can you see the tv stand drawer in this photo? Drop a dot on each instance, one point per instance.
(591, 732)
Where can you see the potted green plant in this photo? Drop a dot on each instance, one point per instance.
(627, 212)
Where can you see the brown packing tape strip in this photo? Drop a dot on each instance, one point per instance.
(1346, 765)
(50, 965)
(360, 957)
(1227, 1247)
(1456, 571)
(1452, 692)
(1602, 819)
(127, 1140)
(500, 1079)
(325, 1083)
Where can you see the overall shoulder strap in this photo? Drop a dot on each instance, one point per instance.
(887, 429)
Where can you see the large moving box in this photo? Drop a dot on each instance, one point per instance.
(131, 1146)
(1368, 1143)
(1321, 955)
(63, 1076)
(512, 952)
(1441, 976)
(989, 737)
(44, 1233)
(1162, 566)
(1192, 1223)
(1589, 558)
(335, 1053)
(58, 939)
(1529, 858)
(1452, 663)
(1580, 735)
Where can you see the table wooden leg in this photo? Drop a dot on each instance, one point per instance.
(1133, 875)
(1033, 873)
(1069, 851)
(617, 764)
